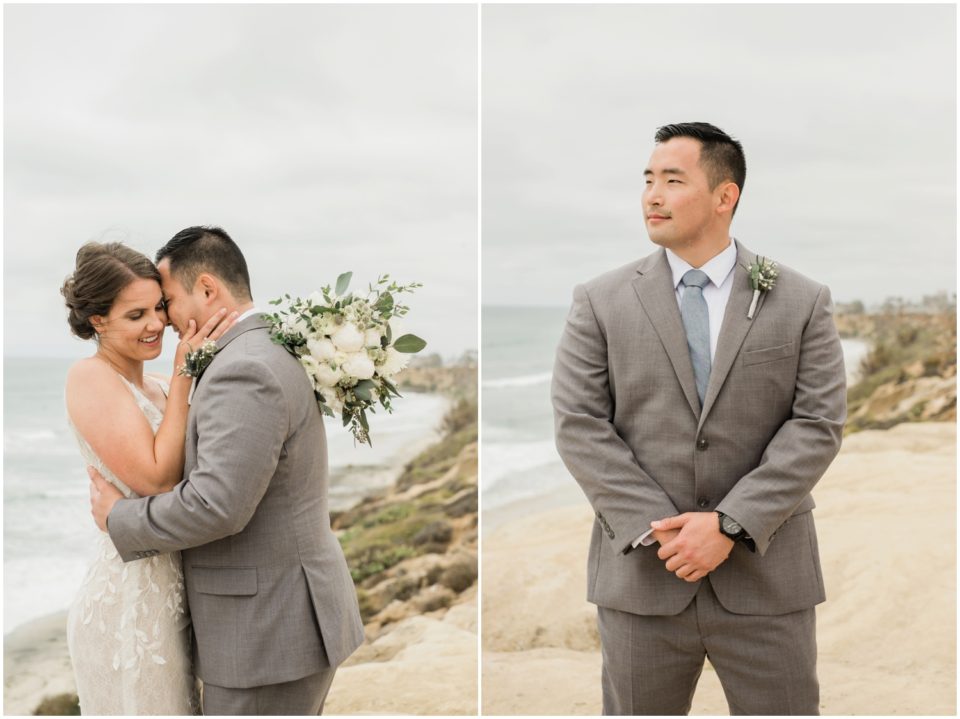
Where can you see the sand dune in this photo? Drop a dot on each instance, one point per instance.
(886, 518)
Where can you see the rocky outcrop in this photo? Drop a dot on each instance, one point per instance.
(413, 551)
(909, 375)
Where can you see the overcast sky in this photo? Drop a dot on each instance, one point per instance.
(847, 115)
(323, 138)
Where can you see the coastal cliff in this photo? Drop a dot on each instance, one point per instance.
(910, 372)
(413, 557)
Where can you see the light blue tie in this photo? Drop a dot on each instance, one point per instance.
(696, 322)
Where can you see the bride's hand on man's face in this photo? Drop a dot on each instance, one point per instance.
(214, 328)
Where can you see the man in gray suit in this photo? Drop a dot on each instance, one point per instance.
(697, 425)
(273, 604)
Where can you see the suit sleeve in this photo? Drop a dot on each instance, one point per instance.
(805, 445)
(625, 498)
(242, 425)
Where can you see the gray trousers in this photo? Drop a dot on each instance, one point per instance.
(766, 664)
(303, 697)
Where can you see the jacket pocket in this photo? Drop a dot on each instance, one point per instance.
(229, 581)
(768, 354)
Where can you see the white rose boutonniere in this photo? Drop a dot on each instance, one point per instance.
(194, 363)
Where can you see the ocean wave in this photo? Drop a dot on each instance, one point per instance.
(504, 460)
(522, 381)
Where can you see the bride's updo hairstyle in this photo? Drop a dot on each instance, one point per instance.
(101, 273)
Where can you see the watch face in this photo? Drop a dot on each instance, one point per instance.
(731, 526)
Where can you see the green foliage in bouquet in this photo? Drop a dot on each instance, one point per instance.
(346, 346)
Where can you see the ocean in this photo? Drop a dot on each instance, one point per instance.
(48, 532)
(519, 461)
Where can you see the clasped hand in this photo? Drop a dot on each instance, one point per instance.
(103, 496)
(691, 544)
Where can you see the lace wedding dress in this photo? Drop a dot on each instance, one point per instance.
(128, 630)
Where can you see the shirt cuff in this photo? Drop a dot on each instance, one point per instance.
(645, 539)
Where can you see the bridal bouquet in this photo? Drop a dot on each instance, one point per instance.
(345, 343)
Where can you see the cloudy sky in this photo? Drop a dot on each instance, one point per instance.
(847, 115)
(323, 138)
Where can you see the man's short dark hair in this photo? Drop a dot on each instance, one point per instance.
(720, 155)
(207, 249)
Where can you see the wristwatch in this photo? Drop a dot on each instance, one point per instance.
(729, 527)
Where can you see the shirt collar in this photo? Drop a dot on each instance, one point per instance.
(248, 313)
(718, 268)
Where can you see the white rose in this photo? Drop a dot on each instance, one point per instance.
(324, 323)
(311, 366)
(296, 324)
(359, 365)
(394, 362)
(326, 376)
(371, 338)
(332, 398)
(322, 349)
(348, 338)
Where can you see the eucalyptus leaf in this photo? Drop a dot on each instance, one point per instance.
(409, 344)
(363, 388)
(343, 282)
(385, 303)
(390, 386)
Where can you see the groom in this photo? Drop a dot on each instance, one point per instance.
(273, 605)
(697, 429)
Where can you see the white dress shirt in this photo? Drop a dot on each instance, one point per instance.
(716, 293)
(254, 310)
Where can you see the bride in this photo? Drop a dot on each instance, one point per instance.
(128, 628)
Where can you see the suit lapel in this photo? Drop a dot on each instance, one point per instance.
(658, 297)
(734, 329)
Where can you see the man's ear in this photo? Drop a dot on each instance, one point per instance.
(208, 284)
(728, 194)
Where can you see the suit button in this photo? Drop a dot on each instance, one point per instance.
(702, 443)
(703, 502)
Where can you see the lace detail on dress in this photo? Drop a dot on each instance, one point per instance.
(129, 628)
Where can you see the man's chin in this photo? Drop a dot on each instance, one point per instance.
(659, 238)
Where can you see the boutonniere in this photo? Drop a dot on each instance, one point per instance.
(194, 363)
(763, 276)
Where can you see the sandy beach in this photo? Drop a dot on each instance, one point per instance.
(886, 632)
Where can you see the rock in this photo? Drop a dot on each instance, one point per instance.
(432, 598)
(920, 399)
(401, 588)
(422, 666)
(436, 533)
(461, 573)
(914, 370)
(59, 705)
(465, 502)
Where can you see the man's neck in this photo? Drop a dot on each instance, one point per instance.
(699, 252)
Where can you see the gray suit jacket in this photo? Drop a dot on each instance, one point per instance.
(268, 586)
(630, 429)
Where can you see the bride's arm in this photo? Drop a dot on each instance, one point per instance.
(106, 414)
